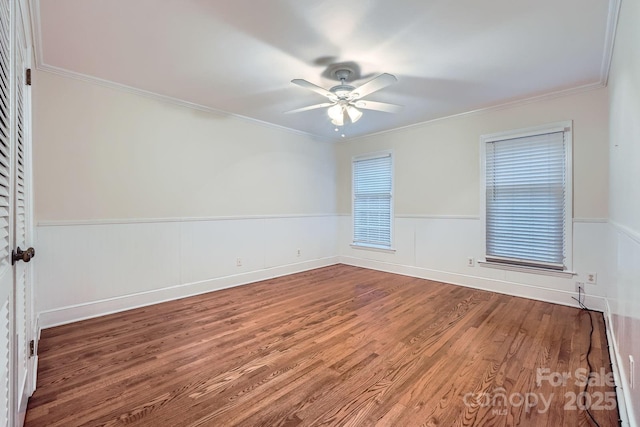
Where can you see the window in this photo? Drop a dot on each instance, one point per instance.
(527, 183)
(372, 204)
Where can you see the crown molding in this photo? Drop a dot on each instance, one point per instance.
(36, 34)
(186, 104)
(170, 100)
(42, 66)
(612, 23)
(609, 41)
(510, 104)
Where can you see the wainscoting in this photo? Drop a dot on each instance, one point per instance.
(623, 313)
(437, 248)
(94, 268)
(90, 269)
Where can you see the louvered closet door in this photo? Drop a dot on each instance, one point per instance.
(21, 239)
(7, 342)
(16, 365)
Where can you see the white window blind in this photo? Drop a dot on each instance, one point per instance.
(372, 201)
(525, 200)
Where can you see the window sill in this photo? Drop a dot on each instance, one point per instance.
(374, 248)
(532, 270)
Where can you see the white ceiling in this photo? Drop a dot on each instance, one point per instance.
(239, 56)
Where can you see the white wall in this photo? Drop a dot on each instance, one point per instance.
(437, 165)
(102, 153)
(437, 190)
(138, 200)
(624, 293)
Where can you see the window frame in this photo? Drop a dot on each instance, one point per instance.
(567, 128)
(373, 247)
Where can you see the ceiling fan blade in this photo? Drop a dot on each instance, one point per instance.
(315, 88)
(378, 106)
(382, 81)
(310, 107)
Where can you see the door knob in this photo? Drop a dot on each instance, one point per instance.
(20, 255)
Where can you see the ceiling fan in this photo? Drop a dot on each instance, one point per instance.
(346, 100)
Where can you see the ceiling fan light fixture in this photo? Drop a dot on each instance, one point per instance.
(335, 112)
(338, 122)
(354, 113)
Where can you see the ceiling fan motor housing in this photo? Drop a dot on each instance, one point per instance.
(342, 74)
(342, 91)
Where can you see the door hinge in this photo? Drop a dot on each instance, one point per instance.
(32, 348)
(28, 77)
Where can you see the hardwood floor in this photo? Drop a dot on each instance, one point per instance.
(335, 346)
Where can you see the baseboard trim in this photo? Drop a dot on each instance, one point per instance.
(78, 312)
(492, 285)
(625, 408)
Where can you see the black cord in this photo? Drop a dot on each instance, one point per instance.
(586, 386)
(582, 306)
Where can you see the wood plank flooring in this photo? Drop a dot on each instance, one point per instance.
(340, 345)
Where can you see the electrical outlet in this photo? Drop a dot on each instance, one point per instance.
(631, 371)
(592, 278)
(299, 252)
(238, 262)
(471, 262)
